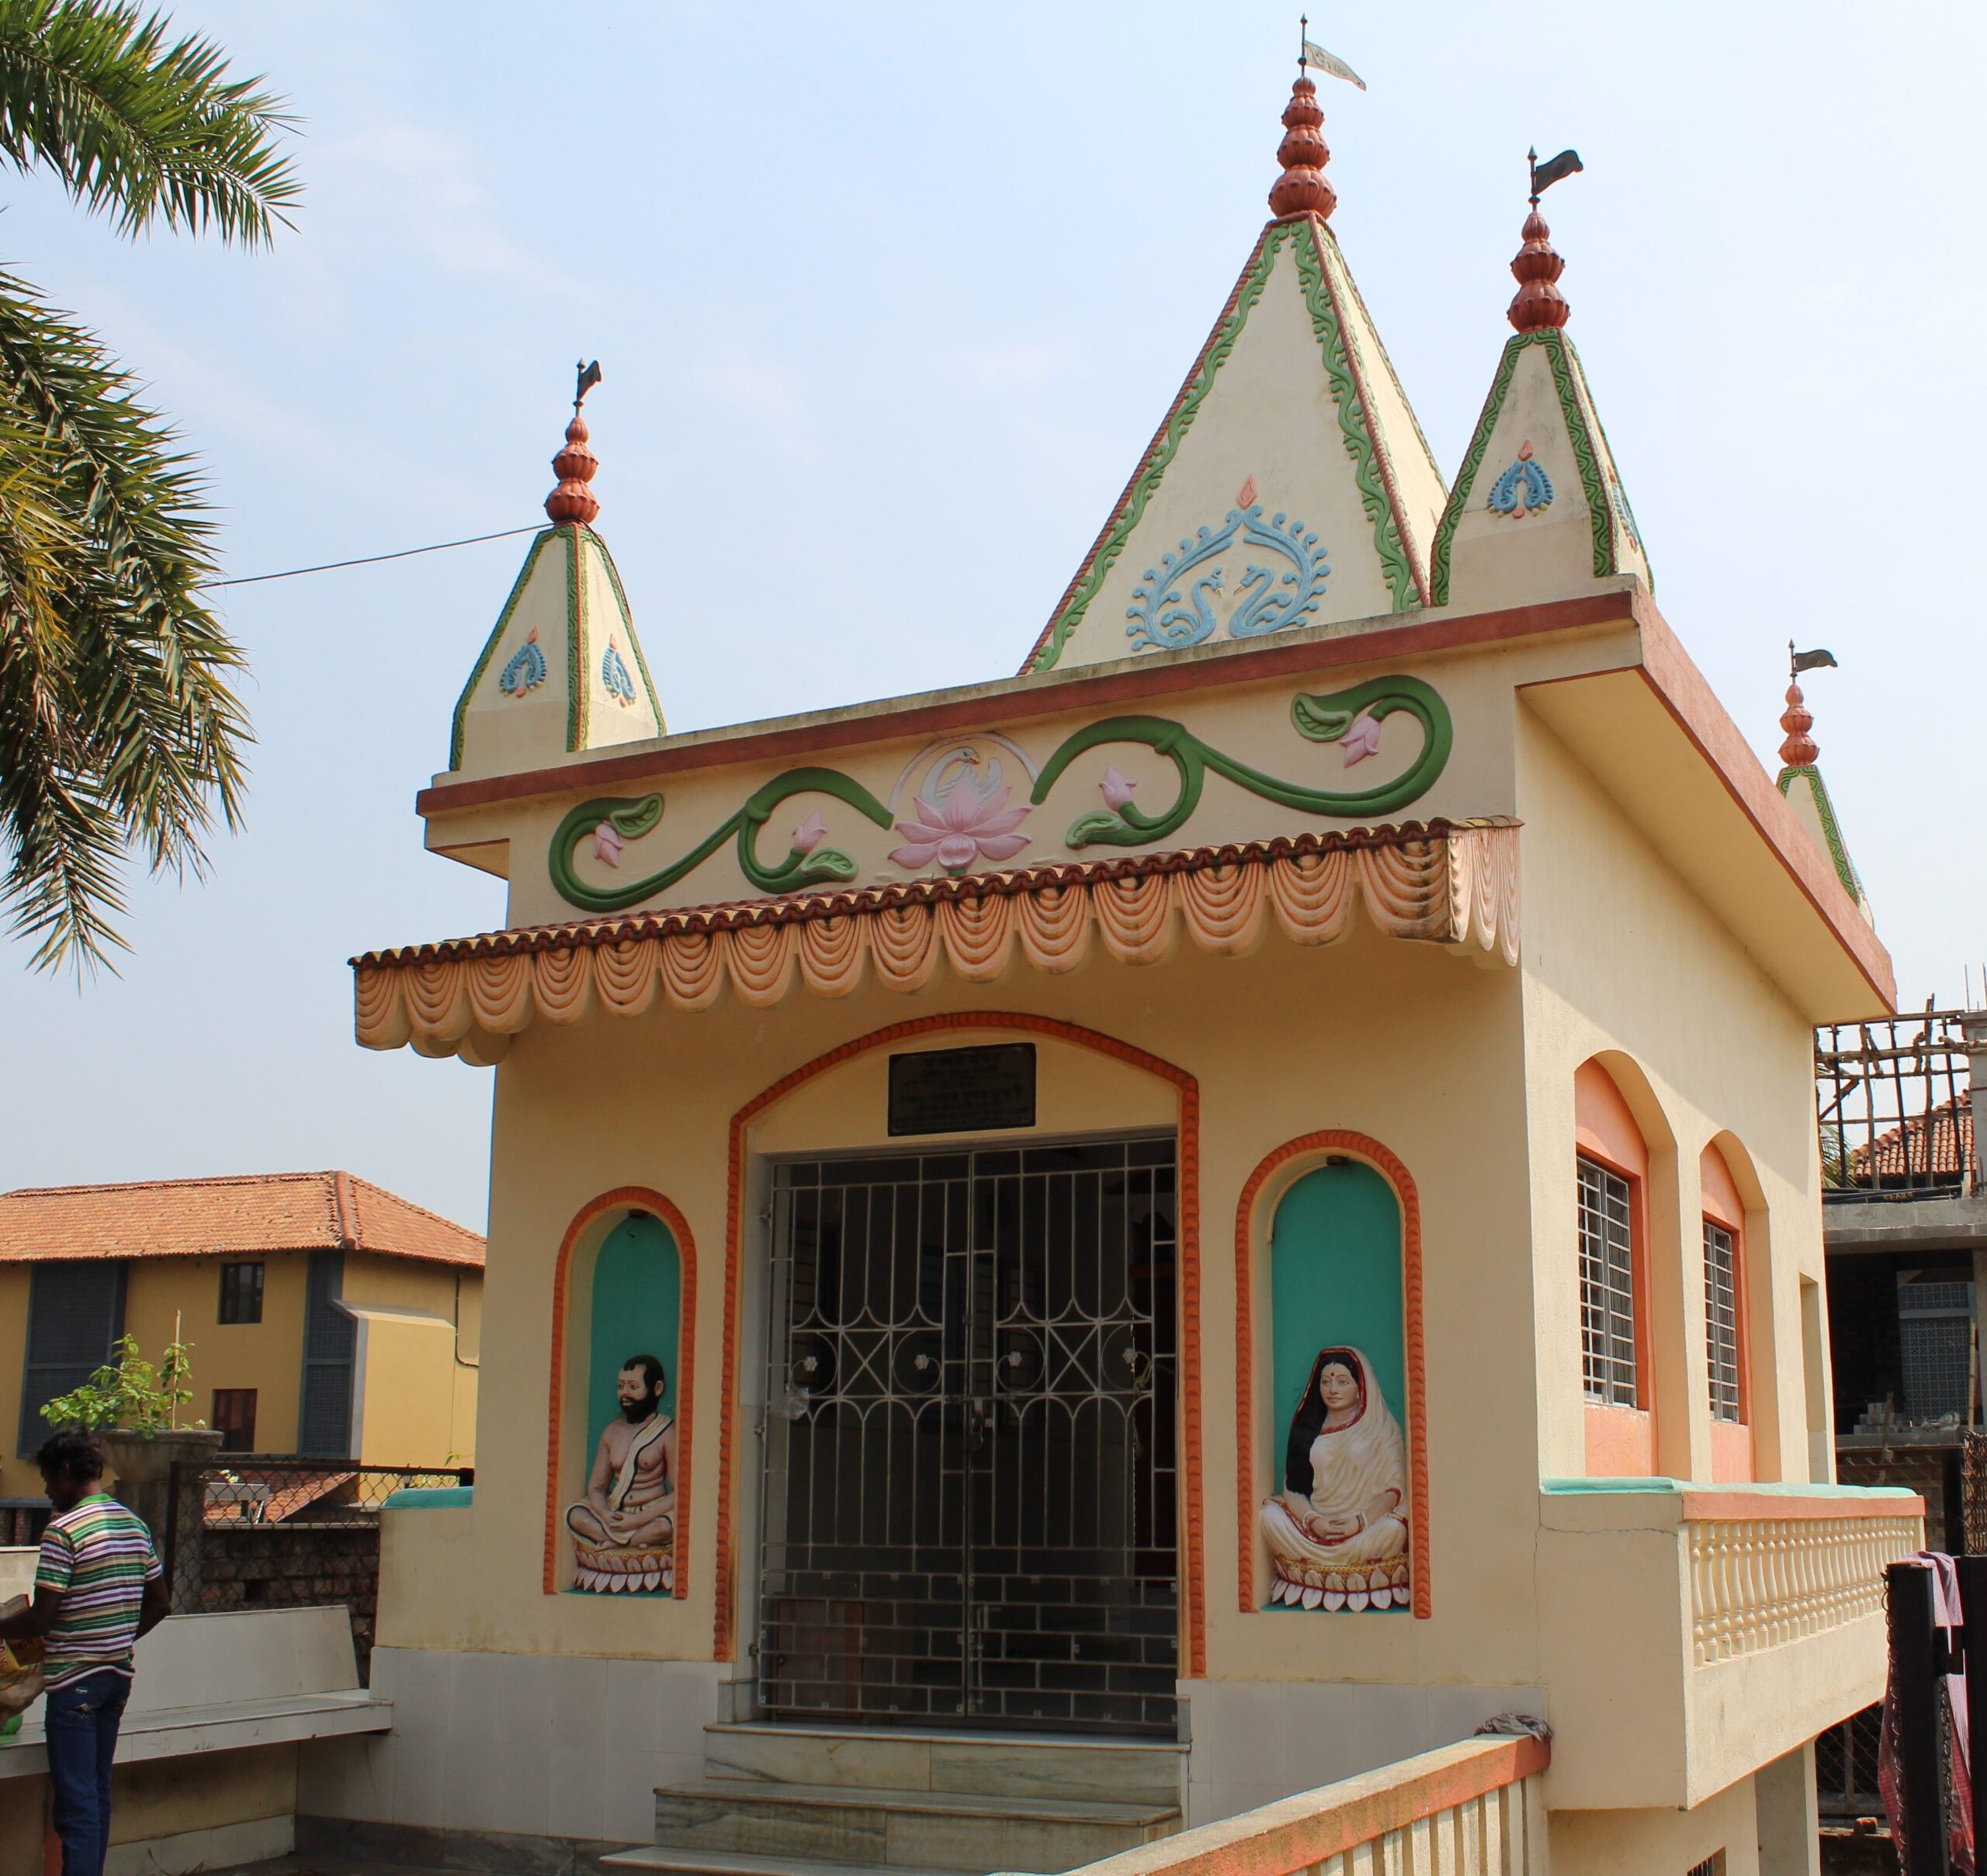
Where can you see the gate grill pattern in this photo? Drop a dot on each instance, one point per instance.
(969, 1512)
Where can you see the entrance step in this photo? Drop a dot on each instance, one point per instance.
(1004, 1764)
(738, 1863)
(901, 1829)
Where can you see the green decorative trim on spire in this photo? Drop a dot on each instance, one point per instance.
(1579, 435)
(1386, 359)
(1160, 456)
(1619, 488)
(628, 626)
(1845, 867)
(539, 542)
(1355, 421)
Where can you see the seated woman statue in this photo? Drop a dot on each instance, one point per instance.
(624, 1530)
(1338, 1534)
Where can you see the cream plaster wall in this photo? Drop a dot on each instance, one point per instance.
(1620, 956)
(414, 1396)
(1415, 1047)
(1658, 1842)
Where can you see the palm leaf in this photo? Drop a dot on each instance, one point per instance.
(117, 724)
(138, 128)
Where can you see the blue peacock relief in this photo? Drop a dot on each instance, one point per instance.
(1180, 604)
(1523, 489)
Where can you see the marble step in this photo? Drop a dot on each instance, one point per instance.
(740, 1863)
(1008, 1764)
(901, 1829)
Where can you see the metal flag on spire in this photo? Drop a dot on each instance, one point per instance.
(1544, 175)
(1309, 54)
(1799, 661)
(588, 376)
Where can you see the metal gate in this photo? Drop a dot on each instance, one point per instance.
(969, 1512)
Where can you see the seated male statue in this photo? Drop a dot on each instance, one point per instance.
(624, 1530)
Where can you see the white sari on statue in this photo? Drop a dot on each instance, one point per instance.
(1354, 1468)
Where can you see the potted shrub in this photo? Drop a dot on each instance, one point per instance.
(132, 1407)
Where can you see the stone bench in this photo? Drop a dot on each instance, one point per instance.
(254, 1687)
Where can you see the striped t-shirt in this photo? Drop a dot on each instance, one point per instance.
(97, 1556)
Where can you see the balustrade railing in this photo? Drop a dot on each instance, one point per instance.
(1758, 1582)
(1473, 1809)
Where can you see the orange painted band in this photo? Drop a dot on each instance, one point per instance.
(1363, 1146)
(631, 1199)
(725, 1628)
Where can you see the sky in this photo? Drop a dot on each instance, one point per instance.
(907, 286)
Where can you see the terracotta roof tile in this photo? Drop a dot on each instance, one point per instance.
(1946, 1152)
(252, 1214)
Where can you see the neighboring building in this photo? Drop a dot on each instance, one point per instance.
(326, 1315)
(1092, 1197)
(1905, 1218)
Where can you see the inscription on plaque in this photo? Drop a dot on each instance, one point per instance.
(963, 1090)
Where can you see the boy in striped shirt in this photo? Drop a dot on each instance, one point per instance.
(97, 1589)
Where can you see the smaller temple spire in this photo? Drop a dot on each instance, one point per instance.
(576, 464)
(1303, 189)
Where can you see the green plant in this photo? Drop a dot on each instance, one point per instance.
(130, 1394)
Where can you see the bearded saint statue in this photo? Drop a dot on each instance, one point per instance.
(1337, 1535)
(624, 1530)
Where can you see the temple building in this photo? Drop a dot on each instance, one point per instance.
(1073, 1257)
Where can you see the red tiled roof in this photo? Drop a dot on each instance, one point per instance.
(1937, 1143)
(253, 1214)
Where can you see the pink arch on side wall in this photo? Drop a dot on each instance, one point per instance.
(1315, 1146)
(629, 1198)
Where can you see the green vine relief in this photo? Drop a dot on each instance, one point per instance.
(609, 821)
(1318, 719)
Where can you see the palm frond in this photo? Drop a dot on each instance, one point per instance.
(138, 128)
(118, 726)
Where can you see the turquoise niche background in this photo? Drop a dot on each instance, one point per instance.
(1335, 1282)
(637, 1308)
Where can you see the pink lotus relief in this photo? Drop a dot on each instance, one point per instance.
(1362, 740)
(1116, 787)
(960, 821)
(608, 844)
(810, 834)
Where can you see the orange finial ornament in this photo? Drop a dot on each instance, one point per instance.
(1800, 749)
(576, 464)
(1303, 189)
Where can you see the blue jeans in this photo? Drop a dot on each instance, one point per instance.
(83, 1719)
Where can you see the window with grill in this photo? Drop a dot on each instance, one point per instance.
(1721, 1320)
(241, 1292)
(1607, 1287)
(234, 1418)
(1713, 1865)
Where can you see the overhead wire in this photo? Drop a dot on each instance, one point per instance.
(370, 559)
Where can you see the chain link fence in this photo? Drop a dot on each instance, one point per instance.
(246, 1532)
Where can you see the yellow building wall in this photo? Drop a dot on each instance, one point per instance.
(414, 1396)
(267, 1356)
(15, 1473)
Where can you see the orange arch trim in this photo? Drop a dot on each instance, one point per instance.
(1390, 1168)
(631, 1199)
(1190, 1287)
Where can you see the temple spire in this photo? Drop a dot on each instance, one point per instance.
(576, 464)
(1302, 189)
